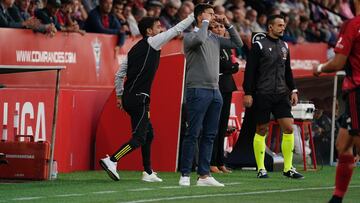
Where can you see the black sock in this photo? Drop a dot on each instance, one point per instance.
(148, 171)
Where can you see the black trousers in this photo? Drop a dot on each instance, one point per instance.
(217, 157)
(137, 106)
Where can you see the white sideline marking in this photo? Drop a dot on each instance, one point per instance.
(171, 187)
(232, 194)
(235, 183)
(69, 195)
(141, 189)
(104, 192)
(26, 198)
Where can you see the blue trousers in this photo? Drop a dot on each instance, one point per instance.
(203, 109)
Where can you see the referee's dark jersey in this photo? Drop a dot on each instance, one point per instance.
(268, 68)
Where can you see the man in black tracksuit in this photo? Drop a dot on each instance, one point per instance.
(139, 68)
(267, 83)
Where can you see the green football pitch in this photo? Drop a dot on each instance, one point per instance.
(241, 186)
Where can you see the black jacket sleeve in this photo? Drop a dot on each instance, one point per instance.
(288, 74)
(226, 64)
(252, 64)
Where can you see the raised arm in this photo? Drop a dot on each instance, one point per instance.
(233, 42)
(120, 77)
(160, 39)
(196, 38)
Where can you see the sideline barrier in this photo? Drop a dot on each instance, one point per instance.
(85, 87)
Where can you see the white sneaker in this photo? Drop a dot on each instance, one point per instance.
(209, 181)
(150, 178)
(110, 167)
(184, 181)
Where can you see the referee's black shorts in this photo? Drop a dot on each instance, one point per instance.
(277, 104)
(350, 118)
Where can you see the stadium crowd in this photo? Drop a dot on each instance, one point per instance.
(307, 20)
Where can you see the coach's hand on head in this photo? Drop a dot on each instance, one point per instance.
(223, 20)
(206, 16)
(248, 101)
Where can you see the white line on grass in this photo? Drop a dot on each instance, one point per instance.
(26, 198)
(232, 194)
(171, 187)
(141, 189)
(69, 195)
(104, 192)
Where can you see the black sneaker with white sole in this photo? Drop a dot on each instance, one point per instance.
(292, 173)
(110, 168)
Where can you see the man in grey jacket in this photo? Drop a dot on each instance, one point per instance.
(203, 98)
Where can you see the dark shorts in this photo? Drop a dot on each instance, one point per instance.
(350, 119)
(277, 104)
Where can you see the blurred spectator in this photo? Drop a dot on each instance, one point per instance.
(33, 6)
(251, 15)
(262, 22)
(131, 21)
(102, 20)
(47, 15)
(293, 31)
(283, 6)
(219, 10)
(19, 13)
(153, 8)
(168, 16)
(89, 5)
(189, 4)
(79, 13)
(139, 13)
(118, 10)
(6, 20)
(242, 25)
(229, 15)
(183, 12)
(64, 17)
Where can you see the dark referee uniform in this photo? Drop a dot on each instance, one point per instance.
(268, 78)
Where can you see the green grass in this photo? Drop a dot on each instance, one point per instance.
(243, 186)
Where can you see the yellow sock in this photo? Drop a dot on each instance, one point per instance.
(259, 150)
(287, 147)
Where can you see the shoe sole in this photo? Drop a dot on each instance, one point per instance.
(294, 178)
(111, 175)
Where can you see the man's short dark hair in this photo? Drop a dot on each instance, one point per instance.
(200, 8)
(272, 18)
(145, 23)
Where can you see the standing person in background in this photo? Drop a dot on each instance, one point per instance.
(140, 67)
(347, 55)
(227, 86)
(269, 86)
(203, 98)
(102, 20)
